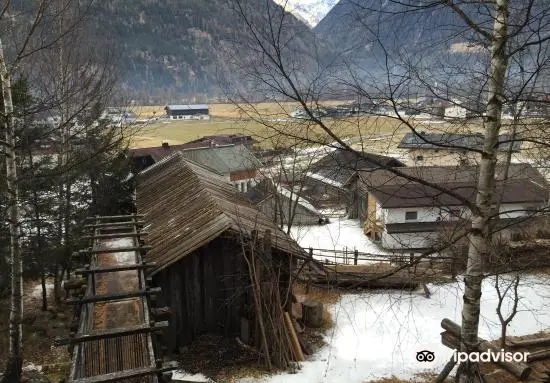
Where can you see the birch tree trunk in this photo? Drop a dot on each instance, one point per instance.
(480, 237)
(15, 359)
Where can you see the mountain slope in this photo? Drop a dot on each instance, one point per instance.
(177, 49)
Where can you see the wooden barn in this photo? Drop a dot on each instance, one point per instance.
(188, 112)
(202, 230)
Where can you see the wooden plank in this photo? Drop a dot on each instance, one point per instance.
(103, 217)
(115, 235)
(111, 224)
(117, 250)
(128, 374)
(113, 269)
(114, 297)
(111, 333)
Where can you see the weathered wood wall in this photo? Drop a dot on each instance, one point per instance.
(205, 291)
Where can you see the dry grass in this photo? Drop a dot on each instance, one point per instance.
(39, 330)
(328, 296)
(419, 378)
(269, 123)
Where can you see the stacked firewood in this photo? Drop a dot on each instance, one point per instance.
(270, 283)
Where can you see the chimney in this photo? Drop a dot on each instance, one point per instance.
(165, 144)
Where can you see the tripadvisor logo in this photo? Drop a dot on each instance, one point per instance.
(490, 356)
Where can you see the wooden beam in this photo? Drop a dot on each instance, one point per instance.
(530, 342)
(115, 235)
(103, 217)
(111, 333)
(128, 374)
(110, 224)
(117, 250)
(538, 355)
(114, 297)
(114, 269)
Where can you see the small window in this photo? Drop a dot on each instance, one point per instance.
(420, 158)
(411, 216)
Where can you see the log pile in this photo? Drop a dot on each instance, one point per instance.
(275, 334)
(451, 339)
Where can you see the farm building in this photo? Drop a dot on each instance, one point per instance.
(187, 112)
(280, 204)
(235, 162)
(201, 231)
(452, 148)
(329, 181)
(407, 215)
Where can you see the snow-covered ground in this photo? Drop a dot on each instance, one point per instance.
(340, 234)
(378, 334)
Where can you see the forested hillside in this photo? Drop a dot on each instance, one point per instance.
(176, 49)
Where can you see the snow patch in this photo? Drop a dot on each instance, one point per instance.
(37, 290)
(378, 334)
(181, 375)
(32, 367)
(340, 234)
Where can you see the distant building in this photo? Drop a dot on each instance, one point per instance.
(410, 216)
(329, 181)
(235, 162)
(451, 148)
(144, 157)
(455, 111)
(188, 112)
(282, 205)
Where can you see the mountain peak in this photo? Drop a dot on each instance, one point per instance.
(309, 11)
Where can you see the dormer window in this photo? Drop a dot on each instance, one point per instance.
(411, 216)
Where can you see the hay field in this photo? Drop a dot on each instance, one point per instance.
(272, 109)
(271, 126)
(268, 133)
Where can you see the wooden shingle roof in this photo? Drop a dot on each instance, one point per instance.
(187, 205)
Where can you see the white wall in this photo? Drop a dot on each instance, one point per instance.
(430, 214)
(425, 214)
(455, 112)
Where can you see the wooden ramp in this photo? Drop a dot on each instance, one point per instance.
(116, 336)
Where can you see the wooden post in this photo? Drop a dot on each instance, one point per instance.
(312, 313)
(355, 257)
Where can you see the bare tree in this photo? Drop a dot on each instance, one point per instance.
(509, 36)
(15, 360)
(503, 294)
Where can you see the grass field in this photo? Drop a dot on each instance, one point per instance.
(269, 124)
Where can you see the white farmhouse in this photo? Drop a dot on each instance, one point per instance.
(410, 216)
